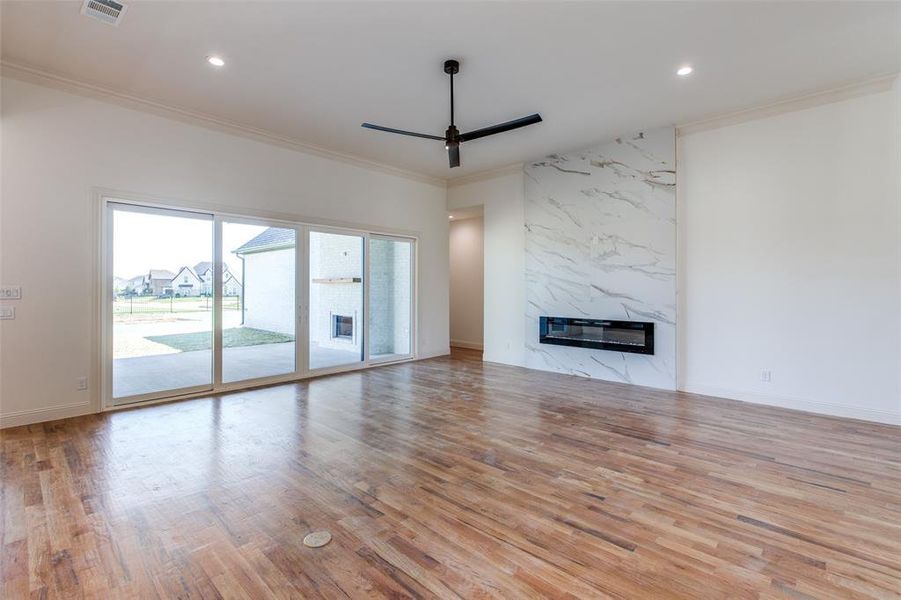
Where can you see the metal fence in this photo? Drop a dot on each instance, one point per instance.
(145, 305)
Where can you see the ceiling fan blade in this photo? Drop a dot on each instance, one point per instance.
(514, 124)
(402, 132)
(453, 155)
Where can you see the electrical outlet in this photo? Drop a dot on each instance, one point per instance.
(10, 292)
(766, 376)
(81, 383)
(7, 312)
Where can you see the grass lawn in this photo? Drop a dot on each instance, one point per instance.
(231, 338)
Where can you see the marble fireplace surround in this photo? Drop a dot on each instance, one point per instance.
(600, 242)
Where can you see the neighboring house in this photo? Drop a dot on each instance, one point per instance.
(158, 282)
(230, 285)
(204, 270)
(269, 280)
(135, 285)
(186, 283)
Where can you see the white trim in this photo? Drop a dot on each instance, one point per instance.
(468, 345)
(364, 266)
(98, 218)
(49, 413)
(103, 346)
(218, 270)
(367, 276)
(799, 404)
(39, 76)
(235, 213)
(302, 300)
(485, 175)
(108, 205)
(414, 291)
(875, 85)
(218, 357)
(432, 354)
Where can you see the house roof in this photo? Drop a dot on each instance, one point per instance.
(271, 239)
(204, 266)
(161, 274)
(189, 270)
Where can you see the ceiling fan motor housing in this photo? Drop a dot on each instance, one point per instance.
(451, 136)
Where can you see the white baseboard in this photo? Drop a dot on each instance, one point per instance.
(39, 415)
(823, 408)
(465, 344)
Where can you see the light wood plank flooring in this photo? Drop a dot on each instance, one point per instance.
(454, 479)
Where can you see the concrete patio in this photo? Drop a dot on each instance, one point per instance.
(145, 374)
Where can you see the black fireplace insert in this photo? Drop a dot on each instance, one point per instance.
(621, 336)
(342, 327)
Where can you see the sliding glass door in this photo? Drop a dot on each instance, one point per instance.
(335, 323)
(162, 325)
(390, 298)
(198, 301)
(259, 306)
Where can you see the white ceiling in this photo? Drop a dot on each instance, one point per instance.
(314, 71)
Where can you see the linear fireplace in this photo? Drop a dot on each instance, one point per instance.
(621, 336)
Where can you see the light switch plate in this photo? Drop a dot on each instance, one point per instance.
(7, 312)
(10, 292)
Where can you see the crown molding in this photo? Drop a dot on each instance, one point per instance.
(861, 88)
(38, 76)
(483, 175)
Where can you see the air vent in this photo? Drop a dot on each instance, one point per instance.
(107, 11)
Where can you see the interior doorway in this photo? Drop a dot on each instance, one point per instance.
(467, 273)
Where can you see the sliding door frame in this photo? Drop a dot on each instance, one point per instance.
(220, 214)
(299, 271)
(364, 355)
(414, 261)
(109, 206)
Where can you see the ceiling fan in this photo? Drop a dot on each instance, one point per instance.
(453, 138)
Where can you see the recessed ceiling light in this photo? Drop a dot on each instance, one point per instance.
(215, 61)
(684, 71)
(450, 216)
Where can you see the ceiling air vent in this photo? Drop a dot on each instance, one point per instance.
(108, 11)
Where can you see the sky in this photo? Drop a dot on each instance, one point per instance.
(143, 241)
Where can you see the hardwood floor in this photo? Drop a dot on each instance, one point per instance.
(449, 478)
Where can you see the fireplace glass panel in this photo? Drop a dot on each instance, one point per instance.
(624, 336)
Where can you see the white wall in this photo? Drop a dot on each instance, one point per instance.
(504, 251)
(59, 147)
(467, 275)
(269, 291)
(790, 237)
(789, 244)
(335, 257)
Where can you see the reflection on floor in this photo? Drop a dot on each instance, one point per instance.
(146, 374)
